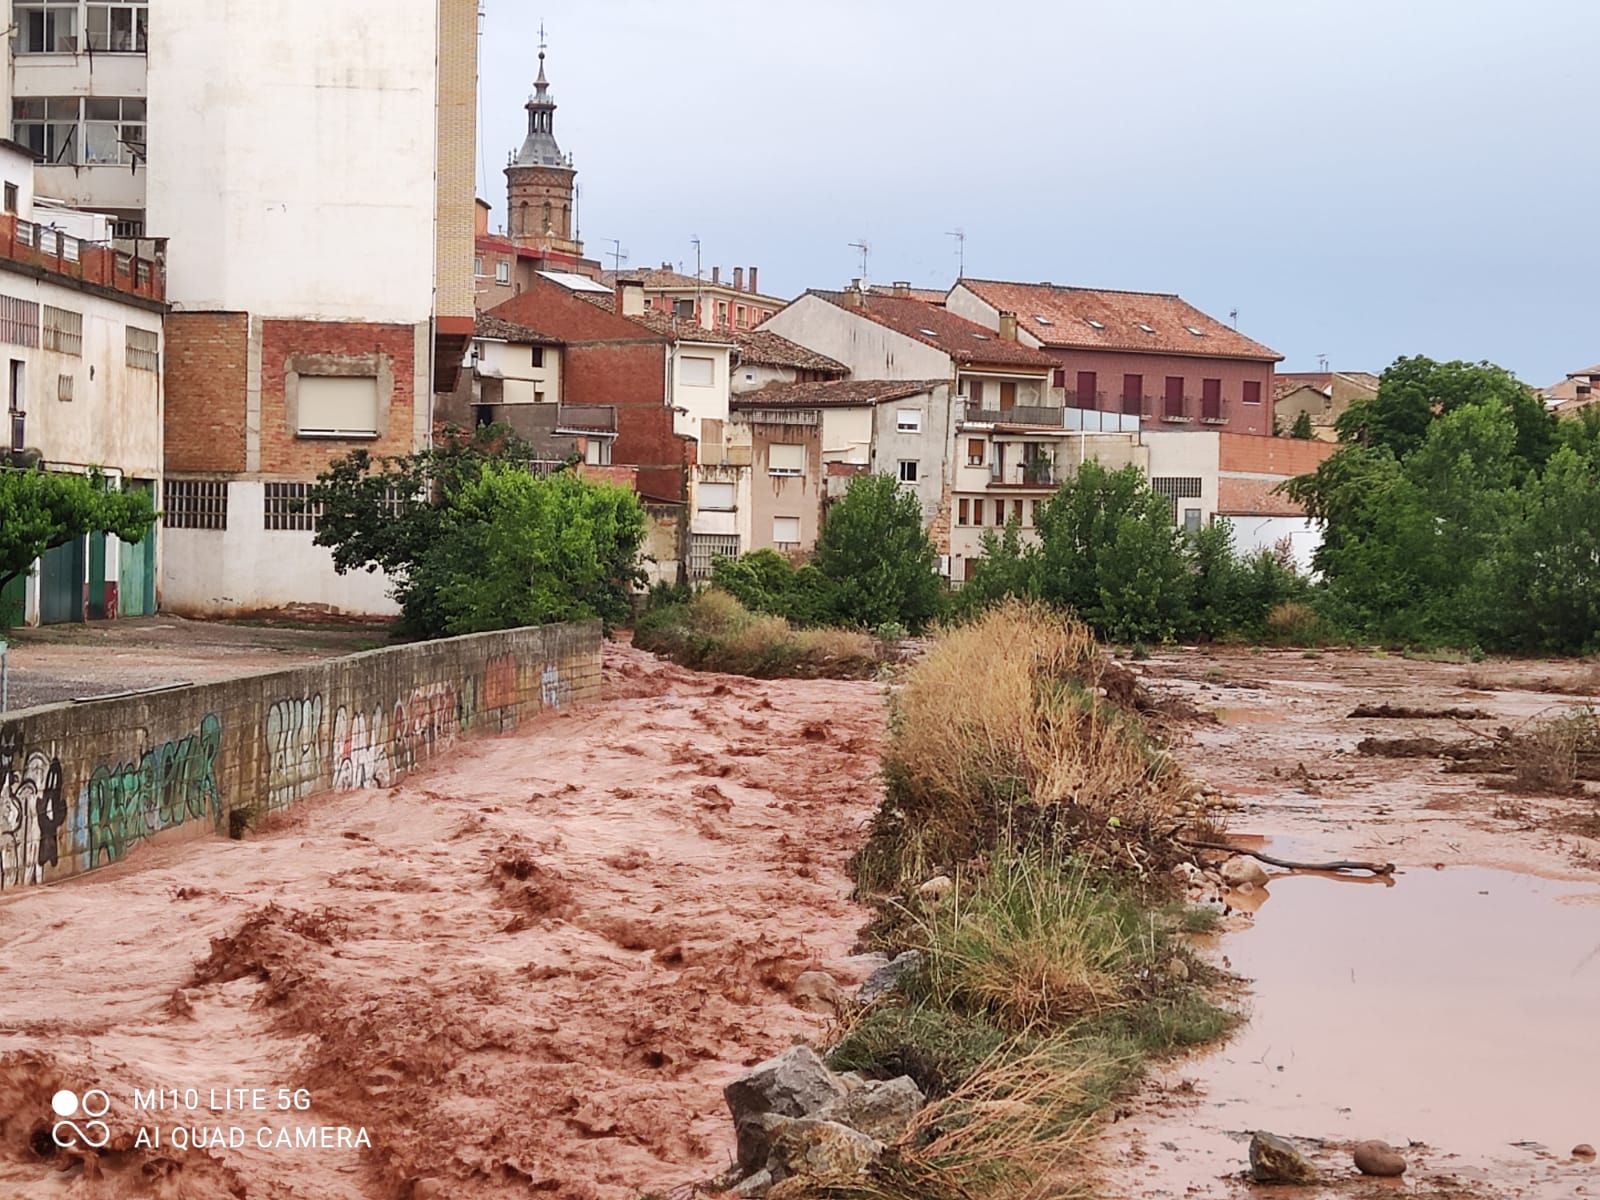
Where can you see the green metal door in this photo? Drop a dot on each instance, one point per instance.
(97, 578)
(61, 584)
(136, 590)
(13, 602)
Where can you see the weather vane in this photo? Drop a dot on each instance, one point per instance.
(541, 37)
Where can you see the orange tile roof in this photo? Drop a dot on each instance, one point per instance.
(926, 295)
(1099, 319)
(672, 327)
(966, 342)
(762, 347)
(838, 393)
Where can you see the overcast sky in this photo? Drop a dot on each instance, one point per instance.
(1358, 178)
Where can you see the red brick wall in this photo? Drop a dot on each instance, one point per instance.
(207, 364)
(1271, 456)
(1256, 497)
(632, 376)
(559, 313)
(1110, 366)
(283, 452)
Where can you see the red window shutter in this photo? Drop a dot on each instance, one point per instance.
(1252, 391)
(1087, 383)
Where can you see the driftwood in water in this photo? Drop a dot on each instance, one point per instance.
(1290, 865)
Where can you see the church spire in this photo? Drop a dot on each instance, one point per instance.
(540, 149)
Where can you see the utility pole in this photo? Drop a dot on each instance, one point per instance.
(961, 252)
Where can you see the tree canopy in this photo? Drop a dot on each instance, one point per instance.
(40, 510)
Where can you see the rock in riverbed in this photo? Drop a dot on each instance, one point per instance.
(1275, 1160)
(1583, 1150)
(1378, 1158)
(887, 978)
(1238, 871)
(817, 991)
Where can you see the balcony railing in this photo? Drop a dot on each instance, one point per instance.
(1213, 410)
(1039, 473)
(1089, 400)
(42, 246)
(1023, 414)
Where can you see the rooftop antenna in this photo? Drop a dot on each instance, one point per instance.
(1322, 361)
(699, 298)
(577, 222)
(1233, 317)
(865, 250)
(618, 254)
(961, 252)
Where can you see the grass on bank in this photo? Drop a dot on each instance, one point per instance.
(1056, 966)
(712, 631)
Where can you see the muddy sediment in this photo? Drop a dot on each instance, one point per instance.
(530, 968)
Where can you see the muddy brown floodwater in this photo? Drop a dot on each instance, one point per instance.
(1454, 1007)
(528, 970)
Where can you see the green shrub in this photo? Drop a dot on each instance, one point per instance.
(877, 559)
(714, 632)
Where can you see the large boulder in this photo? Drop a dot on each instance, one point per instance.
(882, 1108)
(1378, 1158)
(887, 978)
(795, 1084)
(820, 1151)
(1276, 1160)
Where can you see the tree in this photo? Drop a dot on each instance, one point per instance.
(471, 541)
(1110, 551)
(40, 510)
(876, 556)
(1302, 427)
(766, 582)
(1007, 568)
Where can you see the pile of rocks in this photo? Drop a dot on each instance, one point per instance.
(800, 1124)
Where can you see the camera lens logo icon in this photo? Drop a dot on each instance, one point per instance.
(67, 1133)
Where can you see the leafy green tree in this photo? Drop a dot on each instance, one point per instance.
(876, 556)
(1302, 427)
(1110, 551)
(471, 541)
(766, 582)
(40, 510)
(1007, 568)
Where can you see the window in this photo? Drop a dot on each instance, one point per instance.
(1033, 512)
(502, 272)
(975, 453)
(908, 470)
(694, 371)
(1252, 391)
(597, 452)
(722, 314)
(961, 512)
(1176, 488)
(683, 310)
(195, 504)
(977, 511)
(1191, 520)
(47, 26)
(975, 393)
(63, 331)
(715, 497)
(1092, 323)
(1016, 511)
(1008, 396)
(908, 420)
(786, 459)
(1058, 377)
(537, 356)
(287, 507)
(93, 131)
(19, 321)
(142, 349)
(119, 28)
(64, 387)
(706, 548)
(337, 406)
(477, 266)
(1088, 389)
(739, 315)
(1144, 327)
(11, 197)
(786, 532)
(1196, 332)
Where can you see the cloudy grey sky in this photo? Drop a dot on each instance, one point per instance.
(1359, 178)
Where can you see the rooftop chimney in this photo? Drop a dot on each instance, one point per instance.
(753, 280)
(738, 279)
(901, 287)
(853, 295)
(630, 297)
(1008, 327)
(716, 274)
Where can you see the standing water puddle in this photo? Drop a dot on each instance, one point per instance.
(1459, 1008)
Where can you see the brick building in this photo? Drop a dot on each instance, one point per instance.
(321, 288)
(1132, 360)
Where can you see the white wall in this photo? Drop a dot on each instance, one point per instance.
(930, 449)
(114, 417)
(17, 167)
(292, 148)
(703, 403)
(870, 350)
(115, 75)
(1189, 454)
(847, 435)
(514, 364)
(1263, 533)
(247, 567)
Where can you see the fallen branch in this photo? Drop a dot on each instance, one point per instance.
(1290, 865)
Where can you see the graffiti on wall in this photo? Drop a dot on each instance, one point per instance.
(294, 749)
(424, 723)
(32, 811)
(168, 785)
(554, 691)
(360, 750)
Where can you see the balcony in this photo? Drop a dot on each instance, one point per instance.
(1044, 417)
(587, 418)
(1035, 473)
(1213, 410)
(92, 262)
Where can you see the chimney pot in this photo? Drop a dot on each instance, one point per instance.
(1008, 327)
(716, 274)
(902, 287)
(753, 287)
(738, 279)
(630, 297)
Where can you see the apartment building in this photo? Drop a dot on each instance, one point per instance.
(321, 283)
(1131, 360)
(81, 336)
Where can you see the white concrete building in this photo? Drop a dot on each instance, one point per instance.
(81, 339)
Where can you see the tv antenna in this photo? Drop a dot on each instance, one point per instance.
(618, 254)
(961, 251)
(865, 251)
(1322, 361)
(1233, 317)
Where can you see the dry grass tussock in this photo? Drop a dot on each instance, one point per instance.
(715, 632)
(1009, 731)
(1582, 680)
(1557, 753)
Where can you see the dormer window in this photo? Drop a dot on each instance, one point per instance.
(1092, 323)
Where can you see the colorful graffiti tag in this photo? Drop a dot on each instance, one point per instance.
(294, 749)
(32, 811)
(170, 784)
(360, 750)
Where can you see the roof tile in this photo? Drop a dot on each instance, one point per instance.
(838, 393)
(966, 342)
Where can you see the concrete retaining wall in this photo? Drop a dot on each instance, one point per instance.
(82, 784)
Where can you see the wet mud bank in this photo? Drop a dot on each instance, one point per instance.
(1448, 1010)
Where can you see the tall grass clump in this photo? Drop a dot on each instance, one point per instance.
(714, 632)
(1009, 732)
